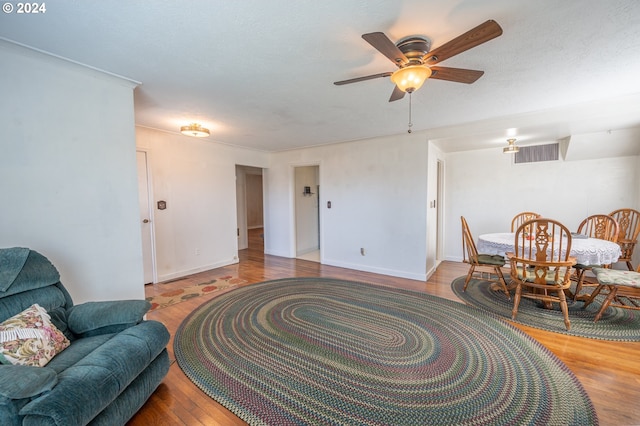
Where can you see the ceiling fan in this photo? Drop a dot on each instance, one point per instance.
(415, 60)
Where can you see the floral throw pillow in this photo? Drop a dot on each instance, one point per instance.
(30, 338)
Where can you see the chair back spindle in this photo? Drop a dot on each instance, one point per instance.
(541, 264)
(603, 227)
(469, 252)
(481, 263)
(629, 223)
(522, 217)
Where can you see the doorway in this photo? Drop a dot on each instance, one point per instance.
(307, 212)
(146, 223)
(250, 208)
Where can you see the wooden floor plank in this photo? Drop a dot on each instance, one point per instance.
(609, 371)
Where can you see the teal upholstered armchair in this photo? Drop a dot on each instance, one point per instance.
(66, 364)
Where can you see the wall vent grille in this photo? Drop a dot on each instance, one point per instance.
(537, 153)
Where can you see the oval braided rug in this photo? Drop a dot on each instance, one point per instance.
(325, 351)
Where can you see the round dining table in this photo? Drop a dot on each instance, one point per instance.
(586, 251)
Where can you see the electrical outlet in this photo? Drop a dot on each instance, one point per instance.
(362, 252)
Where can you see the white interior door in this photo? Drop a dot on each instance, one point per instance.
(145, 216)
(440, 212)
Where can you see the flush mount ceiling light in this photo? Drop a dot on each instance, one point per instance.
(194, 130)
(512, 148)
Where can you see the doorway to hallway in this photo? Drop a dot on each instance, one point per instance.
(307, 212)
(249, 206)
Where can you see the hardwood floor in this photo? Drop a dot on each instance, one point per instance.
(609, 371)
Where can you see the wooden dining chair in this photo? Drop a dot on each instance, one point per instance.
(541, 264)
(623, 289)
(481, 263)
(522, 217)
(603, 227)
(629, 222)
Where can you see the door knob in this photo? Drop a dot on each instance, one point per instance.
(145, 221)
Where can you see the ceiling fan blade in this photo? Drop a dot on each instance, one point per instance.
(366, 77)
(385, 46)
(472, 38)
(396, 94)
(459, 75)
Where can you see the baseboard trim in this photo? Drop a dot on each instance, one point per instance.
(381, 271)
(278, 253)
(184, 273)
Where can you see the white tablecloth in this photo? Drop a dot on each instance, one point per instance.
(587, 251)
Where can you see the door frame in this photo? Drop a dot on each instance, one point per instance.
(293, 211)
(242, 227)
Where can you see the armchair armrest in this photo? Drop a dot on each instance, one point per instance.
(93, 318)
(510, 257)
(23, 381)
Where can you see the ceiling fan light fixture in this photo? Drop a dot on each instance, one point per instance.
(512, 148)
(195, 130)
(411, 78)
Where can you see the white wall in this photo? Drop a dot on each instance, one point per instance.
(486, 188)
(68, 172)
(197, 179)
(637, 184)
(378, 192)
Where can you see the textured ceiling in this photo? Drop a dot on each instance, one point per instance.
(260, 74)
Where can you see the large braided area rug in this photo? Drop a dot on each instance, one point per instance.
(326, 351)
(616, 323)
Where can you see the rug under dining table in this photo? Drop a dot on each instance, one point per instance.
(328, 351)
(615, 324)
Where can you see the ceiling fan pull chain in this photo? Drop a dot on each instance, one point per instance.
(410, 123)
